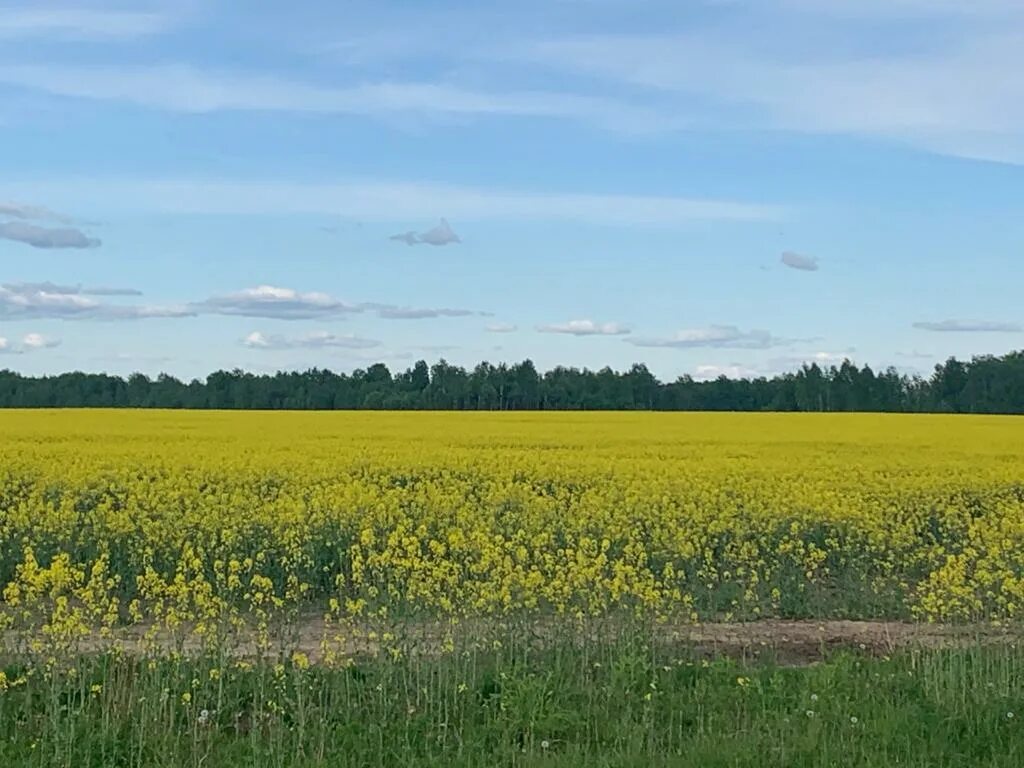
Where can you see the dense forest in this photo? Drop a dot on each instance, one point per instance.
(983, 385)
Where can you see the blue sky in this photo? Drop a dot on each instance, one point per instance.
(721, 186)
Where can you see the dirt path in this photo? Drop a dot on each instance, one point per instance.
(796, 642)
(791, 643)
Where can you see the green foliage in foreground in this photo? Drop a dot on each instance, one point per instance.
(624, 703)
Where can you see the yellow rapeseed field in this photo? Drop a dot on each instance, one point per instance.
(209, 520)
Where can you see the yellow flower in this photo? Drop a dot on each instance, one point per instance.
(233, 524)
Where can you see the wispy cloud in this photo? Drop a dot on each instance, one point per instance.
(416, 313)
(916, 355)
(278, 303)
(970, 326)
(437, 349)
(75, 290)
(952, 97)
(314, 340)
(398, 200)
(799, 261)
(502, 328)
(30, 342)
(105, 290)
(28, 302)
(22, 229)
(900, 9)
(273, 302)
(725, 336)
(948, 95)
(183, 88)
(585, 328)
(79, 23)
(46, 237)
(409, 238)
(32, 212)
(442, 234)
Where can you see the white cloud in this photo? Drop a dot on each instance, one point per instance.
(46, 237)
(824, 359)
(32, 302)
(585, 328)
(48, 287)
(288, 304)
(827, 357)
(734, 371)
(395, 201)
(727, 336)
(502, 328)
(799, 261)
(314, 340)
(257, 340)
(274, 302)
(970, 326)
(79, 23)
(38, 341)
(442, 234)
(30, 342)
(772, 367)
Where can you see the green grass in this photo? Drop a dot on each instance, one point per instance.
(623, 702)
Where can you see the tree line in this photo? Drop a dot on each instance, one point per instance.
(986, 384)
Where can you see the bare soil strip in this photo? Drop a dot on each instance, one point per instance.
(786, 642)
(805, 642)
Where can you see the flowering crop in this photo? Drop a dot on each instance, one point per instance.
(199, 523)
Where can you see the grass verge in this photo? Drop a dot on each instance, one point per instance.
(631, 701)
